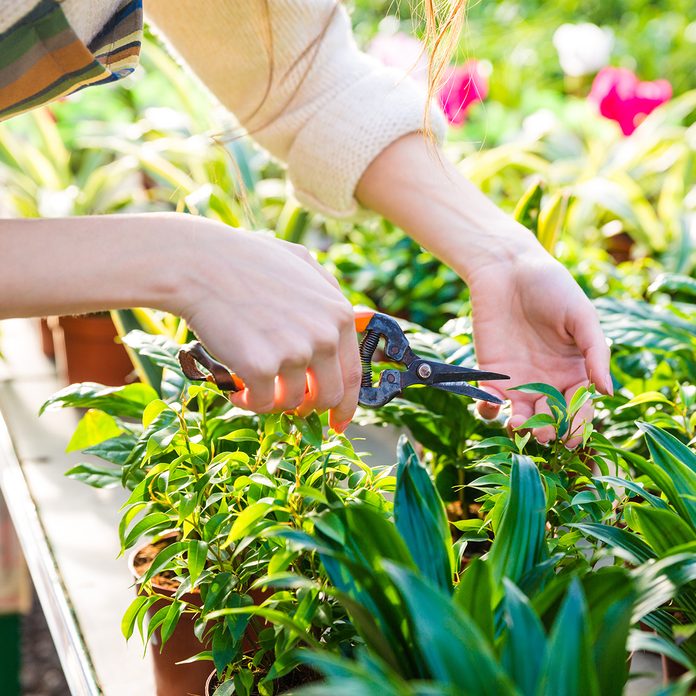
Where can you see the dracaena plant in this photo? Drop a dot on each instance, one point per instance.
(508, 622)
(656, 519)
(226, 482)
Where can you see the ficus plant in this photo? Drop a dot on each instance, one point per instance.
(224, 481)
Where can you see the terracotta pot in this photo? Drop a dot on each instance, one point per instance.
(87, 351)
(620, 247)
(211, 684)
(172, 679)
(47, 347)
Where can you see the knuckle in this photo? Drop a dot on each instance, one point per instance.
(297, 356)
(344, 315)
(261, 369)
(327, 343)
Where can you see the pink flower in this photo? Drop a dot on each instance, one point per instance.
(401, 51)
(463, 85)
(623, 98)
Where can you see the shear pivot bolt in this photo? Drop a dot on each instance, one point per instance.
(392, 350)
(424, 371)
(391, 378)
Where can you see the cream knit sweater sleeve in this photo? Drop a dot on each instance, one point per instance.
(328, 109)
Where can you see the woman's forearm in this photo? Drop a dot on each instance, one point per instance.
(71, 266)
(412, 184)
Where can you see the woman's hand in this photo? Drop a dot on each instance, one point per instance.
(264, 307)
(269, 311)
(533, 322)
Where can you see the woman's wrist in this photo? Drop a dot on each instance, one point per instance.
(474, 250)
(412, 184)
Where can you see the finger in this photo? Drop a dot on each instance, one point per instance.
(349, 359)
(259, 380)
(546, 433)
(522, 411)
(591, 341)
(325, 382)
(486, 409)
(583, 416)
(290, 388)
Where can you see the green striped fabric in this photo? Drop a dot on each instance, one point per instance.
(42, 59)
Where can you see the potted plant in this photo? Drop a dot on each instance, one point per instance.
(214, 487)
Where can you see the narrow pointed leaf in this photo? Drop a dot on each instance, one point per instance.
(421, 519)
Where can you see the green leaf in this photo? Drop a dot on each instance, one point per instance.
(126, 401)
(673, 469)
(94, 427)
(557, 399)
(154, 623)
(652, 643)
(519, 543)
(657, 582)
(659, 439)
(311, 429)
(648, 397)
(610, 597)
(474, 594)
(130, 617)
(421, 519)
(242, 435)
(95, 475)
(662, 529)
(626, 545)
(175, 610)
(673, 283)
(149, 373)
(246, 519)
(527, 209)
(523, 650)
(569, 669)
(634, 488)
(150, 524)
(456, 651)
(538, 421)
(197, 552)
(163, 560)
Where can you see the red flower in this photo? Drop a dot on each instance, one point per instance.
(623, 98)
(463, 85)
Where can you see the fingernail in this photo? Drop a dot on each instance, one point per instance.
(609, 385)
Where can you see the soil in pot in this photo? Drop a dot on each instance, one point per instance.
(87, 350)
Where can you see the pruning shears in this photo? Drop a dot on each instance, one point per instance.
(392, 382)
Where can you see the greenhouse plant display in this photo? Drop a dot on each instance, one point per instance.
(268, 554)
(270, 505)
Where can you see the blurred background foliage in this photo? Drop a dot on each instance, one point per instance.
(618, 211)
